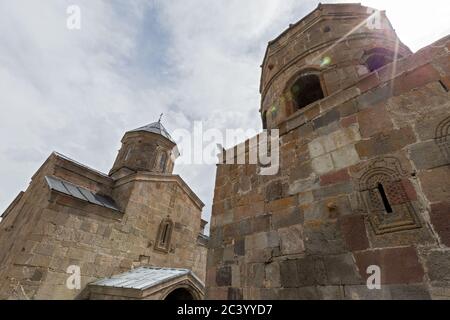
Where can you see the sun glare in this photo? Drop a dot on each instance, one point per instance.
(417, 23)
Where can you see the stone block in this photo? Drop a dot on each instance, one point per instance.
(287, 217)
(335, 177)
(255, 275)
(239, 247)
(415, 78)
(333, 190)
(236, 276)
(435, 184)
(398, 265)
(361, 292)
(427, 155)
(304, 185)
(384, 143)
(288, 274)
(353, 230)
(323, 164)
(305, 293)
(311, 271)
(291, 240)
(214, 293)
(440, 218)
(409, 292)
(343, 137)
(262, 240)
(274, 191)
(316, 147)
(260, 223)
(272, 275)
(330, 292)
(235, 294)
(223, 276)
(349, 121)
(326, 119)
(374, 120)
(341, 270)
(323, 237)
(345, 157)
(281, 204)
(348, 108)
(300, 171)
(438, 265)
(373, 97)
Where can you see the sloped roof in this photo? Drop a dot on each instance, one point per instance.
(80, 193)
(142, 278)
(155, 127)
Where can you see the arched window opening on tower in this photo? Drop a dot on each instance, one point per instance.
(264, 120)
(163, 162)
(378, 58)
(306, 90)
(164, 235)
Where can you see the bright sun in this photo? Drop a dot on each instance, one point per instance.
(418, 23)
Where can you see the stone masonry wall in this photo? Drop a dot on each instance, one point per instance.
(46, 232)
(311, 231)
(329, 32)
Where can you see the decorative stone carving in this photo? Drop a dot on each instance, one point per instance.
(442, 137)
(384, 196)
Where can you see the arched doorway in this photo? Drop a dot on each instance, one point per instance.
(180, 294)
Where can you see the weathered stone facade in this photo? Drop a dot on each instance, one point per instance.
(364, 175)
(44, 231)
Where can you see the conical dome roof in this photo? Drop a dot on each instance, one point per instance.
(155, 127)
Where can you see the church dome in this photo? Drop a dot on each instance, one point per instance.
(155, 127)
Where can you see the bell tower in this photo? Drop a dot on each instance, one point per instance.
(327, 51)
(149, 148)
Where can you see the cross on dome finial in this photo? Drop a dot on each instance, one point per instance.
(160, 117)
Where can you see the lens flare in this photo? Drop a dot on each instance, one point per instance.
(325, 62)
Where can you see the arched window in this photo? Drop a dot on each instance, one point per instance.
(164, 235)
(264, 119)
(163, 162)
(376, 58)
(306, 90)
(383, 186)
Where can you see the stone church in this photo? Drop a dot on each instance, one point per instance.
(363, 186)
(135, 233)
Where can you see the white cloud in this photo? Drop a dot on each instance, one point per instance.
(76, 92)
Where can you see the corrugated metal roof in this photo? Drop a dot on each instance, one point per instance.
(80, 193)
(80, 164)
(142, 278)
(155, 127)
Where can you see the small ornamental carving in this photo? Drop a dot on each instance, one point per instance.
(164, 235)
(384, 196)
(442, 137)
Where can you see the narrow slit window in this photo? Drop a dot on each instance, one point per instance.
(164, 235)
(443, 85)
(387, 205)
(163, 161)
(264, 119)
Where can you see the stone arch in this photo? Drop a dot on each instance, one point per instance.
(377, 58)
(308, 80)
(442, 137)
(182, 291)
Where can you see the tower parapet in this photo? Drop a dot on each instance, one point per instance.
(330, 49)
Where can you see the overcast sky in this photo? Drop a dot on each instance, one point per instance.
(77, 92)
